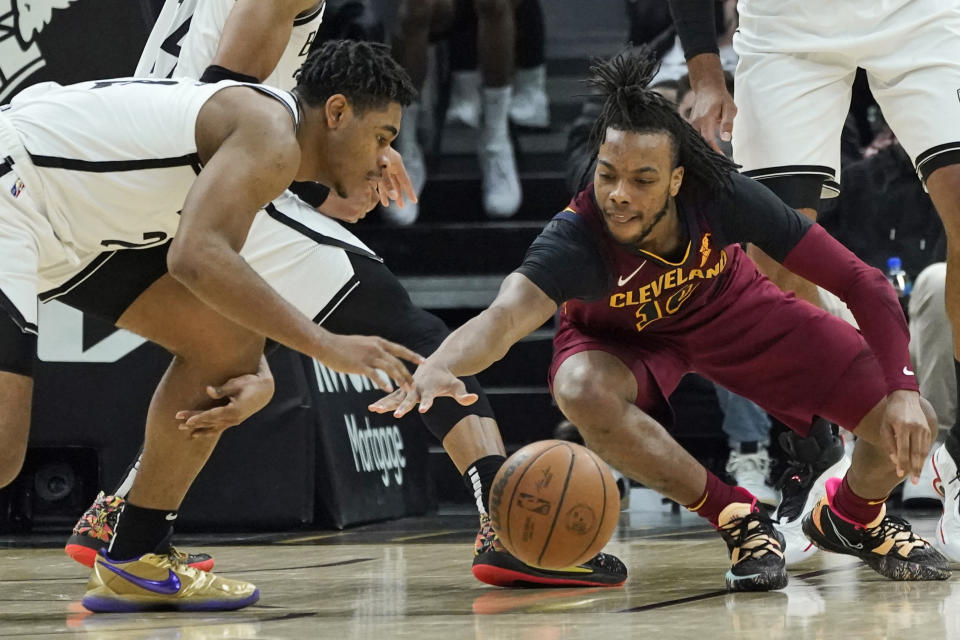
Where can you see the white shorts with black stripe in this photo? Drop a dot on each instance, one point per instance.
(299, 252)
(797, 64)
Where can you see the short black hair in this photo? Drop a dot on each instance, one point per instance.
(362, 71)
(630, 105)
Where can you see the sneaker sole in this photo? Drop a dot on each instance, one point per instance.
(87, 556)
(500, 577)
(116, 604)
(756, 581)
(887, 566)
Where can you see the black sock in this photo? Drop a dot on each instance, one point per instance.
(479, 478)
(140, 531)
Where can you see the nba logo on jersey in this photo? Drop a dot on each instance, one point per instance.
(17, 188)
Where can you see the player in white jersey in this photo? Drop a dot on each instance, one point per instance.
(793, 88)
(187, 37)
(325, 271)
(196, 162)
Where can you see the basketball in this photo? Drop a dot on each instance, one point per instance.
(554, 504)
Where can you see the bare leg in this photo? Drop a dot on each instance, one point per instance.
(471, 439)
(208, 349)
(496, 41)
(16, 393)
(783, 277)
(944, 187)
(596, 391)
(418, 18)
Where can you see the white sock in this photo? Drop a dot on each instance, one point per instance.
(496, 107)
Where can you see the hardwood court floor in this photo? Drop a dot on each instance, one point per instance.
(411, 579)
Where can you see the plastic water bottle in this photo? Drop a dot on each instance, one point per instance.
(898, 277)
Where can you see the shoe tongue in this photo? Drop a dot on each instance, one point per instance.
(831, 486)
(733, 511)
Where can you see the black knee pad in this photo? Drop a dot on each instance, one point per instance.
(447, 412)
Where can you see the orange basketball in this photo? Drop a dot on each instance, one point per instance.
(554, 504)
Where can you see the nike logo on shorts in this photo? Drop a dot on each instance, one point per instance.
(166, 587)
(907, 372)
(622, 281)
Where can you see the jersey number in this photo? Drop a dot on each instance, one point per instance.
(117, 83)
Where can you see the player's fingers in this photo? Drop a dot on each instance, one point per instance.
(231, 387)
(726, 121)
(218, 416)
(185, 415)
(466, 399)
(889, 443)
(401, 351)
(458, 392)
(405, 185)
(387, 403)
(382, 194)
(918, 452)
(410, 399)
(903, 453)
(382, 382)
(426, 401)
(708, 129)
(394, 368)
(396, 190)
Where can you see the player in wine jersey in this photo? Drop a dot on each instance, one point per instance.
(126, 164)
(793, 86)
(650, 281)
(316, 264)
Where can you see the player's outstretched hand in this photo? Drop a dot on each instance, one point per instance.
(351, 209)
(906, 432)
(371, 356)
(245, 395)
(395, 183)
(429, 382)
(713, 109)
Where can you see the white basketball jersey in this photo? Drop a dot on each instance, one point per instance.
(186, 35)
(115, 158)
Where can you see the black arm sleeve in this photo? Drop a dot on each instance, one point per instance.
(565, 263)
(696, 25)
(215, 73)
(752, 213)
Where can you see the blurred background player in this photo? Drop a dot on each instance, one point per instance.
(499, 34)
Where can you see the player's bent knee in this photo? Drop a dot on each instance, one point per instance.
(580, 395)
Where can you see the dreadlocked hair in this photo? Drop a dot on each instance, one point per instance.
(364, 72)
(630, 106)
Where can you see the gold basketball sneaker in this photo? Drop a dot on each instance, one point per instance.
(159, 582)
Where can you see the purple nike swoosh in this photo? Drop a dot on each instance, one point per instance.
(166, 587)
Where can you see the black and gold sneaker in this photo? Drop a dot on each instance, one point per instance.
(756, 549)
(888, 544)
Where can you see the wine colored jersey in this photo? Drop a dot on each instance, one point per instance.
(608, 290)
